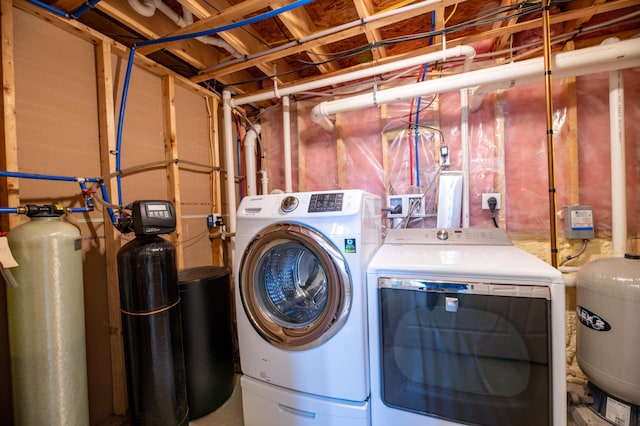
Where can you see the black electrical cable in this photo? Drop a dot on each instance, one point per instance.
(493, 203)
(396, 40)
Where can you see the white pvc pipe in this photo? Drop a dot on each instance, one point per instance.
(250, 154)
(464, 135)
(147, 8)
(577, 62)
(264, 182)
(618, 164)
(229, 163)
(286, 135)
(455, 52)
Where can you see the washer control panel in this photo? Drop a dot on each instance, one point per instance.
(326, 202)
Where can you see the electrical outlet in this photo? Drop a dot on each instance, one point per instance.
(398, 204)
(485, 200)
(444, 155)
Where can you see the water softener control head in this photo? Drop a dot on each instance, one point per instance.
(153, 217)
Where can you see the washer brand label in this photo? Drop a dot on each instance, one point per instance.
(592, 320)
(349, 245)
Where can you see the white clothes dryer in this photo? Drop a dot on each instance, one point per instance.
(300, 275)
(465, 328)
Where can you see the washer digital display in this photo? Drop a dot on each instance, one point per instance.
(326, 202)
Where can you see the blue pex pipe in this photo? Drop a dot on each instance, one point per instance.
(105, 197)
(82, 9)
(90, 205)
(45, 177)
(50, 8)
(123, 107)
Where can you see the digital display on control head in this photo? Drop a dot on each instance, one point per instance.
(326, 202)
(157, 211)
(156, 207)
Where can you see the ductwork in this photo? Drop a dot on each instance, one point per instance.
(609, 57)
(148, 8)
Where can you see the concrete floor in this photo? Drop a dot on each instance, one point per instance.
(230, 413)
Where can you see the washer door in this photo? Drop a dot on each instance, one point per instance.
(295, 286)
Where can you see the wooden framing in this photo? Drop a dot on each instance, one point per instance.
(104, 49)
(215, 180)
(107, 134)
(9, 159)
(171, 155)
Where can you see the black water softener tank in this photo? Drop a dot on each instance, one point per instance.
(149, 301)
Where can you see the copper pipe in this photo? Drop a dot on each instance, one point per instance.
(550, 141)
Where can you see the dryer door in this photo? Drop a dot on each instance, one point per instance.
(295, 286)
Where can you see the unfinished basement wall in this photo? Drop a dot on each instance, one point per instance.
(58, 133)
(375, 149)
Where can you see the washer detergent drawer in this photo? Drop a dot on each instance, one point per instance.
(471, 353)
(269, 405)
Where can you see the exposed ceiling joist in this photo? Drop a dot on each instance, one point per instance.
(330, 37)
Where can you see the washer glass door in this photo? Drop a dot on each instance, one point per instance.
(295, 286)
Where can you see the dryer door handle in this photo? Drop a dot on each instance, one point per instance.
(297, 412)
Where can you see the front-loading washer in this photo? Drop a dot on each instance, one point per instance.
(300, 278)
(465, 328)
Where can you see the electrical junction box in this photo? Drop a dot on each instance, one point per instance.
(415, 205)
(404, 204)
(578, 223)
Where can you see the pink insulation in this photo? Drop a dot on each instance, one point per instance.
(375, 148)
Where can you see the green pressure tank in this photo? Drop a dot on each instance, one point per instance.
(46, 322)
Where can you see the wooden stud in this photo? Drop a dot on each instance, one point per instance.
(573, 180)
(384, 116)
(107, 136)
(499, 180)
(9, 195)
(171, 154)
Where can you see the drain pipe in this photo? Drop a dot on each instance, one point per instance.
(250, 154)
(467, 52)
(228, 160)
(286, 134)
(147, 8)
(618, 163)
(624, 54)
(264, 182)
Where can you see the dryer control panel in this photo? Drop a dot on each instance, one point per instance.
(447, 236)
